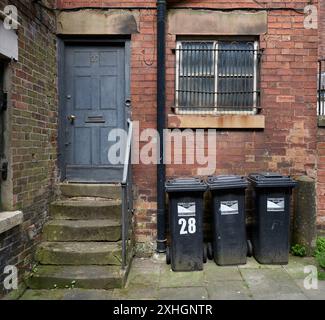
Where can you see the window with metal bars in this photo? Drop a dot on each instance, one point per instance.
(321, 88)
(217, 77)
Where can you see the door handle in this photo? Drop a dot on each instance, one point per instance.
(72, 118)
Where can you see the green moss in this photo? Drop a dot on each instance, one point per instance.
(320, 245)
(298, 250)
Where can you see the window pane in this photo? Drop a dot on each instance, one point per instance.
(196, 92)
(236, 75)
(235, 92)
(196, 87)
(197, 58)
(235, 58)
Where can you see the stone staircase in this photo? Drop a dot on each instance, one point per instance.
(81, 245)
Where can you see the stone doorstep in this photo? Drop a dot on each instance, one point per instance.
(109, 191)
(10, 219)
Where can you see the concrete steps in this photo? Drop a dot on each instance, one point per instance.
(86, 277)
(79, 253)
(68, 294)
(85, 209)
(82, 230)
(82, 242)
(110, 191)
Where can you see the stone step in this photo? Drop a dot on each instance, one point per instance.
(87, 277)
(86, 209)
(79, 253)
(67, 294)
(111, 191)
(82, 230)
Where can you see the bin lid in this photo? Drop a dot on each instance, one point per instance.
(227, 182)
(271, 179)
(185, 184)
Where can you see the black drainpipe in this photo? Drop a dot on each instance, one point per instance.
(161, 102)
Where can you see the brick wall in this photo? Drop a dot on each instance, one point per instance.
(32, 142)
(289, 68)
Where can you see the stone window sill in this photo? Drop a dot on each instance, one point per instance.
(321, 121)
(217, 122)
(9, 220)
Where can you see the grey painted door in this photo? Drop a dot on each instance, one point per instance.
(1, 120)
(94, 105)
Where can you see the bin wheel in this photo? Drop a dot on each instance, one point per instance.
(210, 251)
(205, 253)
(167, 255)
(249, 248)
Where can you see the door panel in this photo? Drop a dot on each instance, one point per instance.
(94, 96)
(1, 122)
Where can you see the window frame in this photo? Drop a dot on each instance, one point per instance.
(213, 110)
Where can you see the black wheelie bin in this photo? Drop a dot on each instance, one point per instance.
(271, 222)
(186, 251)
(229, 246)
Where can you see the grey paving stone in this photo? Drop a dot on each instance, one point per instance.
(312, 294)
(135, 292)
(143, 274)
(183, 293)
(296, 265)
(54, 294)
(281, 296)
(151, 279)
(67, 294)
(88, 295)
(145, 263)
(228, 290)
(171, 279)
(269, 282)
(213, 272)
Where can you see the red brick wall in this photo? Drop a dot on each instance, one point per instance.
(104, 3)
(289, 68)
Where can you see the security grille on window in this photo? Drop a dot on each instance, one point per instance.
(217, 77)
(321, 88)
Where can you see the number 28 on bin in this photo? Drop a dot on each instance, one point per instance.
(186, 215)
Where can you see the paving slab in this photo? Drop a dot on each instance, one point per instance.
(152, 279)
(145, 263)
(88, 295)
(143, 277)
(54, 294)
(171, 279)
(229, 290)
(295, 267)
(213, 272)
(269, 282)
(68, 294)
(183, 293)
(281, 296)
(313, 294)
(136, 292)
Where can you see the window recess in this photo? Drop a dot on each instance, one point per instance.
(217, 77)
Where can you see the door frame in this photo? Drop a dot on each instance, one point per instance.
(63, 43)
